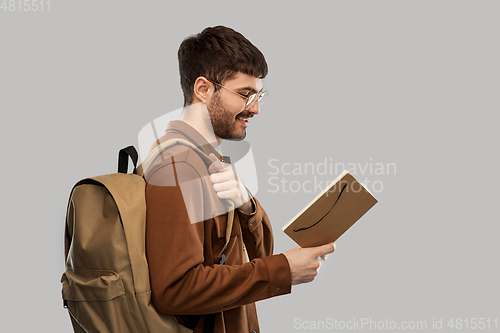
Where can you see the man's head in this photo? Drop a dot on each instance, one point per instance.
(215, 67)
(218, 54)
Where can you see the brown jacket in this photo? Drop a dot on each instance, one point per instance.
(186, 278)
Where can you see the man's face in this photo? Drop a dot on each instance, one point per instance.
(227, 110)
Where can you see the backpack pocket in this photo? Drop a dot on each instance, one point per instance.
(96, 298)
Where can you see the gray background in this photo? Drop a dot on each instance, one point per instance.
(413, 83)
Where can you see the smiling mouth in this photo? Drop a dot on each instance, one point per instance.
(243, 120)
(244, 117)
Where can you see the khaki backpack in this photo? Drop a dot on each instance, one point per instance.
(105, 286)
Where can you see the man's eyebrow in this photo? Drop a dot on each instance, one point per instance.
(249, 89)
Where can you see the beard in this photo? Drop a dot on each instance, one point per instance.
(223, 122)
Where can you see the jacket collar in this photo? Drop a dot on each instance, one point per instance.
(182, 128)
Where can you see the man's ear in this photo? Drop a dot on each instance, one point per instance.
(202, 89)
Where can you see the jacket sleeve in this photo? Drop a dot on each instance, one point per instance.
(257, 231)
(182, 283)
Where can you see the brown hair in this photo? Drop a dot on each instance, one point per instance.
(217, 53)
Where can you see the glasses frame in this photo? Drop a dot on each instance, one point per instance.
(251, 100)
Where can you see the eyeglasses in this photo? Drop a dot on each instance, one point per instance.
(251, 99)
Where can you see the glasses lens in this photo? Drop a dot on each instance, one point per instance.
(261, 96)
(251, 101)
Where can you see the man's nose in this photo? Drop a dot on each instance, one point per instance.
(255, 109)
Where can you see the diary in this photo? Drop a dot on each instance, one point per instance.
(331, 213)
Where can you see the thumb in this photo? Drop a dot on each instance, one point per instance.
(326, 249)
(216, 164)
(212, 157)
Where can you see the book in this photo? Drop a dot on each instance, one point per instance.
(331, 213)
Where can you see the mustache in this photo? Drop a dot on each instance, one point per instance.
(244, 114)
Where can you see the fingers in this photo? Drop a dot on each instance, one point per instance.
(230, 193)
(216, 165)
(325, 250)
(306, 262)
(221, 183)
(225, 182)
(222, 175)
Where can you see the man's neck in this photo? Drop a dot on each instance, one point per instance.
(196, 115)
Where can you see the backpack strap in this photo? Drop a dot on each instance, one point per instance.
(123, 156)
(208, 324)
(158, 150)
(229, 230)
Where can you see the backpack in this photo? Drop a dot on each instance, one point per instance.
(105, 286)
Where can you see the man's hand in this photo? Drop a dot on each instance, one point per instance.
(227, 185)
(305, 262)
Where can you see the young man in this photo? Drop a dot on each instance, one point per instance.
(210, 281)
